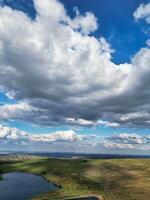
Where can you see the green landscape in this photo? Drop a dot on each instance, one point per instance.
(107, 179)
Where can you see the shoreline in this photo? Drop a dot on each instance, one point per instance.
(75, 178)
(57, 187)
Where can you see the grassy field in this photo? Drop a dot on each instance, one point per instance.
(113, 179)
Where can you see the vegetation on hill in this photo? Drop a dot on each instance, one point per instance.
(112, 179)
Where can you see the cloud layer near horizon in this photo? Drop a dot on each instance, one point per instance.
(61, 74)
(71, 141)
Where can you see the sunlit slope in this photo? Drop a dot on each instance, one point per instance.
(114, 179)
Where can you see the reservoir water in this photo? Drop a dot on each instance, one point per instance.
(23, 186)
(86, 198)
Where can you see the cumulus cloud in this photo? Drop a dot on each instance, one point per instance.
(59, 141)
(71, 141)
(86, 24)
(83, 122)
(143, 12)
(12, 135)
(113, 145)
(61, 74)
(125, 138)
(16, 136)
(19, 110)
(69, 136)
(128, 142)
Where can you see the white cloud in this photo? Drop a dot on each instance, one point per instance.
(143, 12)
(69, 136)
(126, 138)
(10, 111)
(63, 73)
(71, 140)
(108, 124)
(86, 24)
(16, 136)
(12, 135)
(83, 122)
(111, 145)
(129, 142)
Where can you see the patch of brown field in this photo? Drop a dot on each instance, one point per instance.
(122, 179)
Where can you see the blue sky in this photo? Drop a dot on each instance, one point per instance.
(116, 24)
(43, 104)
(115, 19)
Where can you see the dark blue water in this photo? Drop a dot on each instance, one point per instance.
(86, 198)
(23, 186)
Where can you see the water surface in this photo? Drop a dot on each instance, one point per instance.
(22, 186)
(86, 198)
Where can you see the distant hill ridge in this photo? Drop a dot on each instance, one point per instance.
(75, 155)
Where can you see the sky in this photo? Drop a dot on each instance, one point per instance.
(75, 76)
